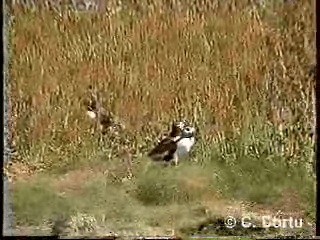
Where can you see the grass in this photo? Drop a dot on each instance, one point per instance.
(240, 74)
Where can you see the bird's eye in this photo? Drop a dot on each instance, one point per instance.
(188, 129)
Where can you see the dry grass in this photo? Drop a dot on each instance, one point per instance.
(239, 73)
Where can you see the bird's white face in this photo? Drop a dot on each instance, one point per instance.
(181, 124)
(91, 114)
(188, 132)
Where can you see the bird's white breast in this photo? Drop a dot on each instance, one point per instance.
(184, 146)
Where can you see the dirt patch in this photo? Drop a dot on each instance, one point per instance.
(18, 171)
(74, 181)
(32, 231)
(289, 205)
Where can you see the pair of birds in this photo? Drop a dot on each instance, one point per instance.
(177, 145)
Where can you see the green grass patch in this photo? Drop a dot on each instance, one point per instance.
(36, 203)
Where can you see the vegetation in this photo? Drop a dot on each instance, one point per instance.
(240, 73)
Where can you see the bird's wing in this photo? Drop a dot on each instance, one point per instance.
(164, 148)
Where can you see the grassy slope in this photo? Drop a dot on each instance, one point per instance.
(229, 72)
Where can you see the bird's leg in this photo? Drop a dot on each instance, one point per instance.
(175, 160)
